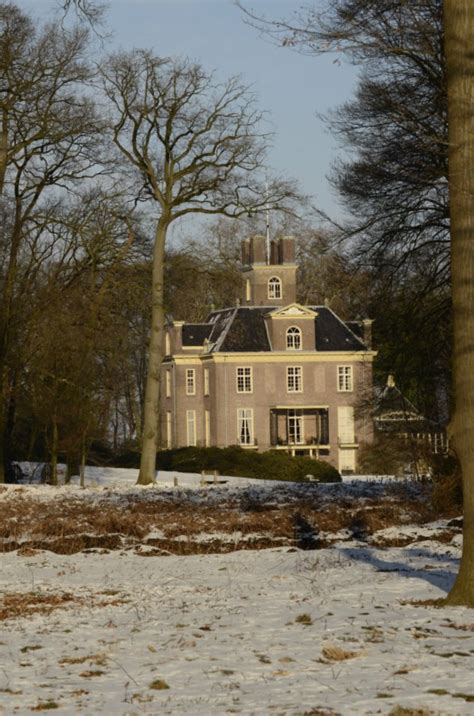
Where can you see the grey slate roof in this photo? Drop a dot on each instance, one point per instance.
(332, 334)
(194, 334)
(243, 330)
(356, 327)
(220, 323)
(247, 333)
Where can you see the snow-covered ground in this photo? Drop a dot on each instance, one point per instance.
(326, 631)
(118, 477)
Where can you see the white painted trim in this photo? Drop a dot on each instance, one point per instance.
(301, 381)
(345, 390)
(284, 312)
(243, 392)
(193, 372)
(300, 407)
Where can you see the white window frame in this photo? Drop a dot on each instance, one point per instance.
(274, 288)
(294, 379)
(168, 383)
(294, 339)
(206, 381)
(190, 381)
(244, 379)
(245, 433)
(248, 294)
(169, 430)
(345, 379)
(191, 428)
(295, 425)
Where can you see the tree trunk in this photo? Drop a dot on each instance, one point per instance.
(459, 31)
(5, 330)
(4, 456)
(2, 449)
(54, 454)
(82, 469)
(72, 466)
(3, 148)
(151, 410)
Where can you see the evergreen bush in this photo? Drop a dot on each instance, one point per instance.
(238, 462)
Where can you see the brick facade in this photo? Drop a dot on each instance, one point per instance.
(270, 374)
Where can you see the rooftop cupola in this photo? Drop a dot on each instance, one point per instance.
(268, 271)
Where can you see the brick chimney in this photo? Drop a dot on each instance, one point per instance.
(367, 331)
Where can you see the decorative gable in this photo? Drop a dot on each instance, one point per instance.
(293, 310)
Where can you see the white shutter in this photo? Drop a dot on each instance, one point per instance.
(347, 460)
(345, 424)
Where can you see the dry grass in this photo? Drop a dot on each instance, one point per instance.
(158, 685)
(96, 659)
(71, 523)
(402, 711)
(45, 706)
(437, 603)
(14, 605)
(460, 627)
(331, 653)
(304, 619)
(18, 604)
(91, 673)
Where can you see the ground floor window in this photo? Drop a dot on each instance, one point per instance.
(191, 427)
(245, 426)
(169, 433)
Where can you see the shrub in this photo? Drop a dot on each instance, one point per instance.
(387, 455)
(235, 461)
(447, 483)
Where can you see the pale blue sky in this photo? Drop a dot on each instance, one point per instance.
(290, 86)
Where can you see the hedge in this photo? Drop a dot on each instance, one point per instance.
(236, 461)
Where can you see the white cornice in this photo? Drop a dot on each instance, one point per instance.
(269, 267)
(292, 311)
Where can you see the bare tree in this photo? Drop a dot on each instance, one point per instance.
(195, 147)
(49, 142)
(459, 29)
(72, 338)
(89, 11)
(393, 177)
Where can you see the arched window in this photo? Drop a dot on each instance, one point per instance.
(274, 287)
(293, 339)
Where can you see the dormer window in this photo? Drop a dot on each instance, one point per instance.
(293, 339)
(274, 287)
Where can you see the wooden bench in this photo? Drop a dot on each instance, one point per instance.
(211, 477)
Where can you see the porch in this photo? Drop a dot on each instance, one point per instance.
(300, 430)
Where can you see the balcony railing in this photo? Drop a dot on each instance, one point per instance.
(307, 441)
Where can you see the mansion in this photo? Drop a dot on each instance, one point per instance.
(269, 373)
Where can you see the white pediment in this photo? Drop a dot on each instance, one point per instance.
(293, 310)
